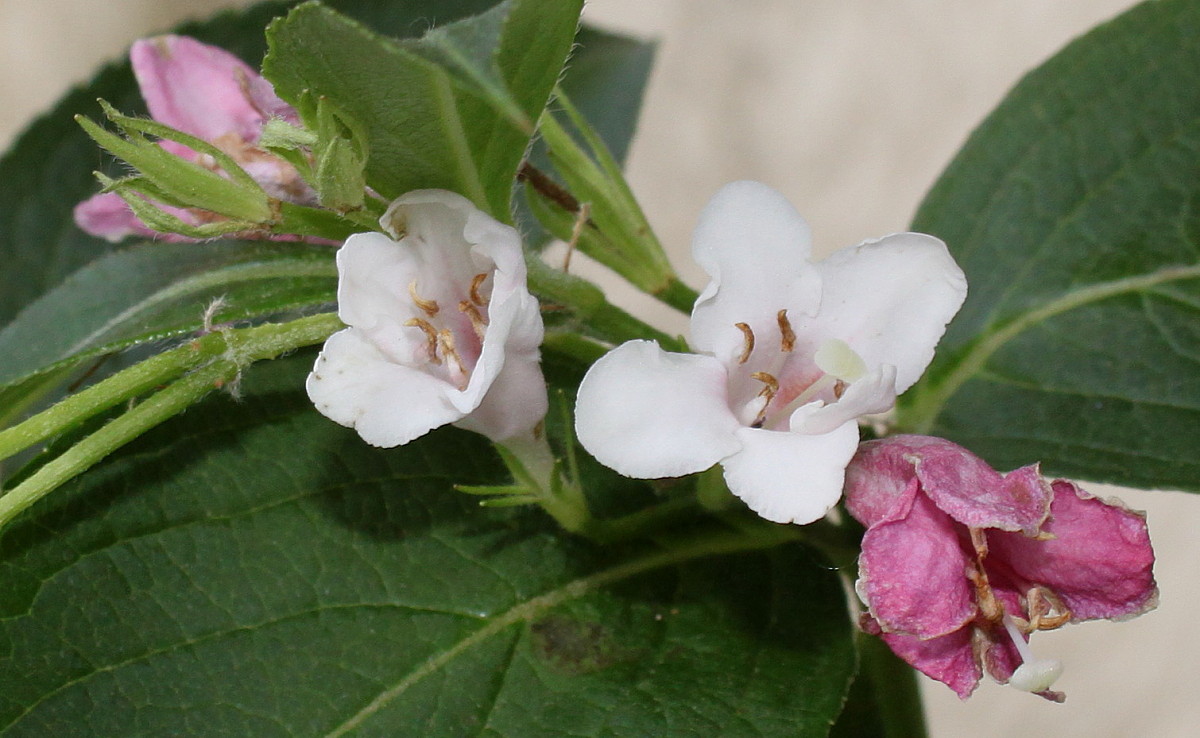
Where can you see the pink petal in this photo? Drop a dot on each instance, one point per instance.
(755, 246)
(961, 484)
(949, 659)
(880, 484)
(199, 89)
(913, 573)
(890, 300)
(107, 216)
(789, 477)
(1099, 561)
(648, 413)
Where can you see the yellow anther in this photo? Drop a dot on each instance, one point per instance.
(476, 283)
(429, 307)
(431, 336)
(478, 322)
(787, 337)
(748, 337)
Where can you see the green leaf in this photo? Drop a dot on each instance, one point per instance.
(269, 574)
(463, 124)
(1075, 212)
(151, 293)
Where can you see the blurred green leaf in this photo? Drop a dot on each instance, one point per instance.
(1075, 212)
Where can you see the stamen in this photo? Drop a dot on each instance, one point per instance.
(429, 307)
(787, 340)
(476, 283)
(1041, 603)
(477, 320)
(839, 389)
(770, 388)
(748, 347)
(445, 339)
(431, 336)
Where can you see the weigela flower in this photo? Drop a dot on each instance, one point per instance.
(208, 93)
(790, 354)
(442, 328)
(960, 564)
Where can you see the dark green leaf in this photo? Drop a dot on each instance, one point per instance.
(268, 574)
(463, 124)
(1075, 212)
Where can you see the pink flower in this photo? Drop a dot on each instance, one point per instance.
(960, 563)
(208, 93)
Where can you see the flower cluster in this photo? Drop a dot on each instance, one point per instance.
(959, 563)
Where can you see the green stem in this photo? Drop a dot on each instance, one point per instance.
(678, 295)
(236, 348)
(110, 392)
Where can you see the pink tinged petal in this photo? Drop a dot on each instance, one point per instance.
(199, 89)
(890, 300)
(389, 404)
(790, 477)
(107, 216)
(755, 246)
(1099, 561)
(949, 659)
(506, 396)
(373, 277)
(648, 413)
(913, 571)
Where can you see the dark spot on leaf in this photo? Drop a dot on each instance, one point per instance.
(574, 647)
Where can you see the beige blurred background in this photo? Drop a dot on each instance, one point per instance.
(851, 108)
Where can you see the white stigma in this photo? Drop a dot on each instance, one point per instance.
(1034, 674)
(837, 359)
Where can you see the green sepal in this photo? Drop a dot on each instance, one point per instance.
(157, 219)
(341, 154)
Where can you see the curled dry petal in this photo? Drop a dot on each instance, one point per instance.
(960, 564)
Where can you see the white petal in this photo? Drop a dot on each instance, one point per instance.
(373, 277)
(507, 392)
(755, 246)
(874, 393)
(890, 300)
(648, 413)
(791, 477)
(388, 404)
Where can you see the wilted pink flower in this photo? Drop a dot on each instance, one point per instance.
(208, 93)
(960, 563)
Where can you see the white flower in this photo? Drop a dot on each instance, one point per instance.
(442, 328)
(791, 354)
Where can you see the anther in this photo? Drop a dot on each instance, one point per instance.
(770, 388)
(787, 340)
(445, 340)
(748, 347)
(429, 307)
(477, 320)
(839, 389)
(476, 283)
(431, 336)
